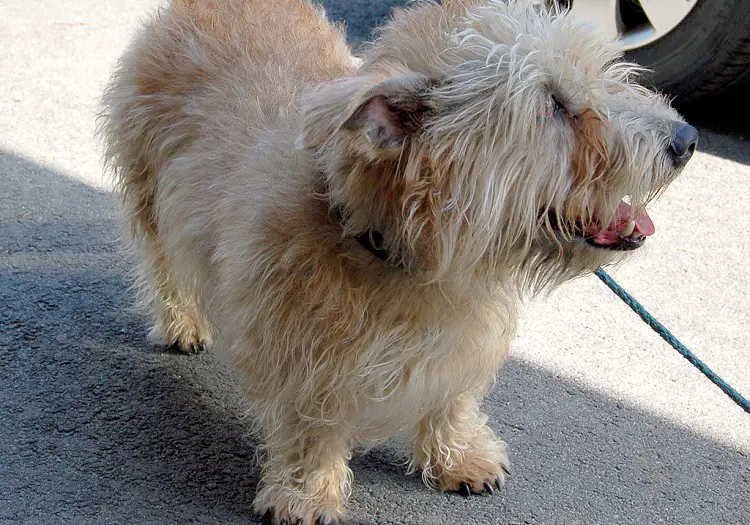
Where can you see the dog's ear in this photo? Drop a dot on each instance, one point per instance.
(392, 110)
(385, 112)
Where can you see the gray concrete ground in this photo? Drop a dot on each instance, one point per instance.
(605, 423)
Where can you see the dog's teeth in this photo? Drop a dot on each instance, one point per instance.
(629, 229)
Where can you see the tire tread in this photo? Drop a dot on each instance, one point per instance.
(702, 74)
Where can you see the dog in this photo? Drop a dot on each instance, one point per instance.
(356, 237)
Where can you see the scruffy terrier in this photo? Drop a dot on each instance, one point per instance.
(356, 237)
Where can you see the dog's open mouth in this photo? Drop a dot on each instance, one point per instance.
(624, 233)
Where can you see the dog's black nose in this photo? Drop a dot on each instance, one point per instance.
(682, 143)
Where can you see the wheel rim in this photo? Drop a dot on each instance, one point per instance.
(636, 22)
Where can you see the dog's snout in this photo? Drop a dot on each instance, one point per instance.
(682, 143)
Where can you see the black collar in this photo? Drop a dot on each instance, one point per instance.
(372, 241)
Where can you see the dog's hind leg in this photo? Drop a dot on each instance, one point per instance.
(306, 477)
(457, 451)
(141, 132)
(177, 319)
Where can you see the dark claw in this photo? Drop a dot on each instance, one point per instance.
(325, 519)
(299, 522)
(505, 469)
(283, 522)
(464, 489)
(488, 488)
(197, 348)
(498, 484)
(267, 518)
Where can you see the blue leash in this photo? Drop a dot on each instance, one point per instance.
(671, 339)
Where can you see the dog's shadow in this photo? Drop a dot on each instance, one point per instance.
(121, 426)
(99, 426)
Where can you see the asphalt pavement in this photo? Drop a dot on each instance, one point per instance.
(605, 423)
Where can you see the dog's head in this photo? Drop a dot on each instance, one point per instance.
(495, 136)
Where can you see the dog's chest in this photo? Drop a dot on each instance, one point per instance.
(423, 371)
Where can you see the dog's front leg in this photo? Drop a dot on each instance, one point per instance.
(306, 477)
(457, 451)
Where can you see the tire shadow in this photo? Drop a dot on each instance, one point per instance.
(724, 124)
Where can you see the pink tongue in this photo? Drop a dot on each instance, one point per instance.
(643, 223)
(611, 234)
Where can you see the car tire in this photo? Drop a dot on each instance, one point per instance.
(709, 52)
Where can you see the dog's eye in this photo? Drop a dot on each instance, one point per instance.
(554, 106)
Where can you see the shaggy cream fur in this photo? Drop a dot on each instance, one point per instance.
(481, 139)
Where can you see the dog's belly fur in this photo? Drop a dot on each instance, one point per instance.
(303, 313)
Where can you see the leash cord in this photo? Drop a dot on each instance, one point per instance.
(665, 334)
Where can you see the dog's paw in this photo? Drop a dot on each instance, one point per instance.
(282, 506)
(188, 347)
(480, 468)
(287, 517)
(476, 484)
(184, 334)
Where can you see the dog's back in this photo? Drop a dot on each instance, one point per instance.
(206, 86)
(199, 60)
